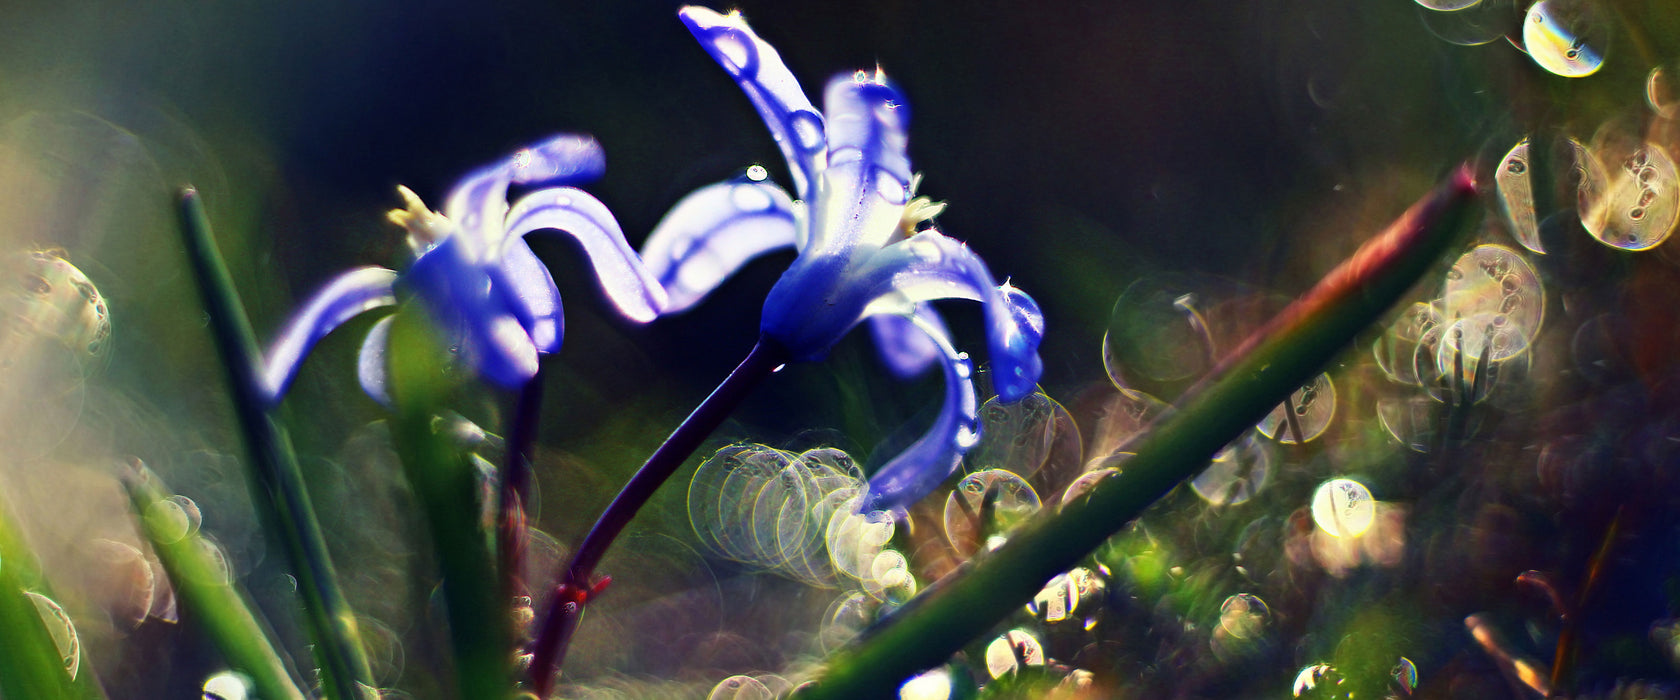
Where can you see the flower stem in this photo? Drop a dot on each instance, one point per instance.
(515, 490)
(1271, 364)
(765, 357)
(279, 495)
(446, 484)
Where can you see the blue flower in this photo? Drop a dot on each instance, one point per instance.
(866, 249)
(476, 276)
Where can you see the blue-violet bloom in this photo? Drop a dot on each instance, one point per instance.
(475, 274)
(865, 249)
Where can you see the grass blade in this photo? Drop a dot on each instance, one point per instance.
(200, 578)
(278, 490)
(1267, 367)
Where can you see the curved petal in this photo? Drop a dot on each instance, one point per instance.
(905, 349)
(342, 299)
(370, 362)
(712, 232)
(930, 265)
(477, 202)
(867, 181)
(917, 471)
(627, 282)
(755, 65)
(464, 302)
(1015, 335)
(529, 291)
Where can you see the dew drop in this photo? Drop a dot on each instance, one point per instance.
(172, 519)
(1404, 676)
(1448, 5)
(1087, 481)
(740, 688)
(1244, 616)
(1516, 197)
(1343, 508)
(1561, 37)
(736, 50)
(1014, 502)
(932, 685)
(807, 129)
(1315, 407)
(1011, 650)
(227, 685)
(1313, 676)
(62, 630)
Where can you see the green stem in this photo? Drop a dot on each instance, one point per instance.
(446, 483)
(206, 592)
(280, 495)
(1268, 366)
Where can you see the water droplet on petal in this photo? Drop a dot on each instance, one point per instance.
(736, 50)
(807, 130)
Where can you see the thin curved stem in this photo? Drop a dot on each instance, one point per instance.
(574, 587)
(515, 491)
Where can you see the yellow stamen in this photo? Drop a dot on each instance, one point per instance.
(918, 211)
(425, 227)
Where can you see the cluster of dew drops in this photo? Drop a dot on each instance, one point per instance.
(1564, 37)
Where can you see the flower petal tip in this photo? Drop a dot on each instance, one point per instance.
(1015, 361)
(559, 159)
